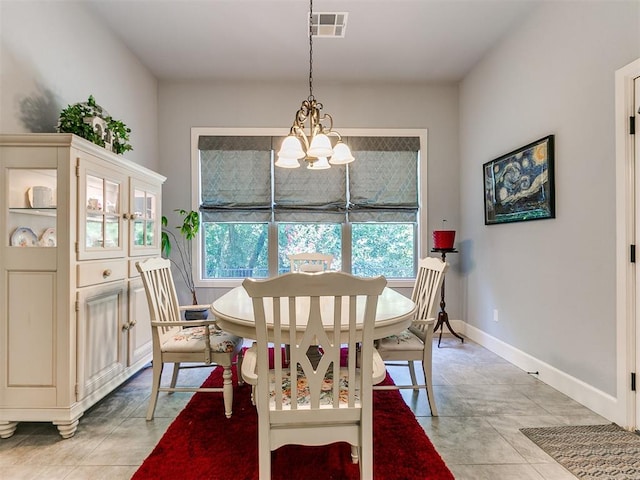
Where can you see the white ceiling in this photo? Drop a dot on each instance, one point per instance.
(386, 40)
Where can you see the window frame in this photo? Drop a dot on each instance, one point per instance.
(422, 235)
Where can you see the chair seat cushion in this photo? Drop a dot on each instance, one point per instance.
(404, 341)
(303, 397)
(191, 339)
(249, 374)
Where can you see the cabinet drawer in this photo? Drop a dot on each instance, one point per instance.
(95, 273)
(133, 271)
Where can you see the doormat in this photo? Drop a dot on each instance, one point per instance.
(591, 451)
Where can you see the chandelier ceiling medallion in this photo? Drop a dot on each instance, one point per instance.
(314, 146)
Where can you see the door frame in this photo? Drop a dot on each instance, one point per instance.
(626, 293)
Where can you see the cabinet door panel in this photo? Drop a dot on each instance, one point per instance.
(31, 328)
(28, 349)
(140, 347)
(101, 317)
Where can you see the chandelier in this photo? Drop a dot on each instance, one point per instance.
(314, 146)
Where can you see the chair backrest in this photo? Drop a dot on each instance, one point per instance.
(310, 262)
(426, 288)
(328, 310)
(161, 293)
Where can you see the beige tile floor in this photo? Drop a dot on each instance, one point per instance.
(482, 401)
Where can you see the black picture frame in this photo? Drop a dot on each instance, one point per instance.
(519, 186)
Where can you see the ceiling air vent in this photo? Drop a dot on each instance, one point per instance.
(329, 25)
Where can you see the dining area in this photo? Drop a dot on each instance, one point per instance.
(83, 391)
(482, 399)
(333, 331)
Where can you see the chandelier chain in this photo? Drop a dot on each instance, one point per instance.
(310, 50)
(315, 147)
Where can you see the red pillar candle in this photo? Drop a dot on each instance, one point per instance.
(443, 239)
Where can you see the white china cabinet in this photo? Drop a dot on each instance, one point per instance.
(74, 321)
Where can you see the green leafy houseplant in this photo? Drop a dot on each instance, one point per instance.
(182, 258)
(72, 120)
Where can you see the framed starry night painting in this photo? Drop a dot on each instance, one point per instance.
(519, 186)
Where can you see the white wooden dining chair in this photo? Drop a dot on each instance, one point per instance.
(199, 342)
(416, 343)
(310, 262)
(332, 401)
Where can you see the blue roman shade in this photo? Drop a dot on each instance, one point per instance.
(240, 183)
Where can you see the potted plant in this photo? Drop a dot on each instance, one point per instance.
(182, 253)
(90, 121)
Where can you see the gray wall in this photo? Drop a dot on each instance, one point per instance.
(435, 107)
(53, 54)
(552, 281)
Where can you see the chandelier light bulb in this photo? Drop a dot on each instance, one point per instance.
(320, 146)
(291, 148)
(320, 164)
(341, 154)
(287, 162)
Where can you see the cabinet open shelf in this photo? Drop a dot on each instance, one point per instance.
(41, 212)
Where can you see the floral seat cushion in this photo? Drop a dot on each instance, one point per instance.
(303, 395)
(406, 340)
(192, 339)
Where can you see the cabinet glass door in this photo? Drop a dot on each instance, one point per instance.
(32, 207)
(144, 218)
(100, 213)
(103, 213)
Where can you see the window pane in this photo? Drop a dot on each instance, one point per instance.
(383, 249)
(111, 231)
(235, 250)
(151, 230)
(308, 237)
(138, 233)
(95, 230)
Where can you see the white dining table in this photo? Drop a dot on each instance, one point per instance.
(234, 313)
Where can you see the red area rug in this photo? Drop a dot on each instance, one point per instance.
(202, 443)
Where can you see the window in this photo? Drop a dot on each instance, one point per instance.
(254, 214)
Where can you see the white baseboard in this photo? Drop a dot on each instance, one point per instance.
(600, 402)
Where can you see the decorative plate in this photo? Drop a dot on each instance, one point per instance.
(48, 238)
(24, 237)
